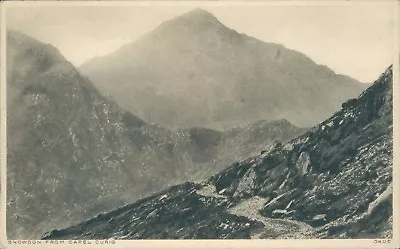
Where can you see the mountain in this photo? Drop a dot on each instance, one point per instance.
(240, 143)
(194, 71)
(66, 143)
(72, 149)
(334, 181)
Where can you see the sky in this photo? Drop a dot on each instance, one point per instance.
(352, 38)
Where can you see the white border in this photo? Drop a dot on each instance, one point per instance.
(193, 3)
(310, 243)
(3, 123)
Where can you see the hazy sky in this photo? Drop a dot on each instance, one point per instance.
(352, 38)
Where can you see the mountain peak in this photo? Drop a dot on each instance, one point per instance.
(191, 51)
(197, 16)
(198, 12)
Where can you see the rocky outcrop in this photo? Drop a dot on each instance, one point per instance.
(303, 163)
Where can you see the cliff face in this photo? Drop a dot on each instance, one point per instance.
(334, 181)
(60, 132)
(71, 149)
(194, 71)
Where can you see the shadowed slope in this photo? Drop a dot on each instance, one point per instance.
(334, 181)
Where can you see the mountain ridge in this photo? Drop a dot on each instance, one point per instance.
(193, 73)
(333, 181)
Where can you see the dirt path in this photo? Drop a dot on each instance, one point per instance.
(274, 228)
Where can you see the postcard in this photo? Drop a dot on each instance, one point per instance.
(200, 124)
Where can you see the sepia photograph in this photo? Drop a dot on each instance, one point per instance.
(260, 121)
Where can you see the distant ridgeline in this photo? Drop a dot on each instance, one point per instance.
(194, 71)
(333, 181)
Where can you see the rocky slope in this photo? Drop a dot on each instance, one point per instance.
(334, 181)
(237, 79)
(71, 149)
(212, 151)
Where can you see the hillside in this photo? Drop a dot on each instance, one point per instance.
(72, 150)
(194, 71)
(334, 181)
